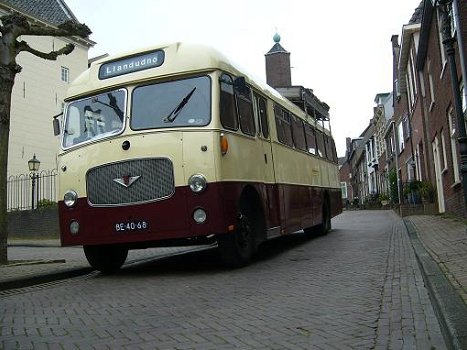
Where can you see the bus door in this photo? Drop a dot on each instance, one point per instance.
(267, 162)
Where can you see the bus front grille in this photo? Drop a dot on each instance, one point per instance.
(130, 182)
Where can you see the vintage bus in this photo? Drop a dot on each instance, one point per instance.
(174, 145)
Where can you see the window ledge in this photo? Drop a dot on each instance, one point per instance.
(455, 184)
(445, 63)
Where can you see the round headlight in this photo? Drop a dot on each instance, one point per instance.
(199, 215)
(70, 198)
(197, 183)
(74, 227)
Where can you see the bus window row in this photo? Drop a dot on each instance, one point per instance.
(294, 132)
(237, 111)
(236, 108)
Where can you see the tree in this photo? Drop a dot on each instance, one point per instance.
(11, 28)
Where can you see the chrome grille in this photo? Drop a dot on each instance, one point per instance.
(110, 184)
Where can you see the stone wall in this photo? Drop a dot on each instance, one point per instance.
(39, 223)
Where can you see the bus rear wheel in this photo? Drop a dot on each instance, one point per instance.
(106, 258)
(237, 249)
(324, 227)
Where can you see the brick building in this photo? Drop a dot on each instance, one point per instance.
(419, 143)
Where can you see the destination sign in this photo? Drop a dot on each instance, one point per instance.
(131, 64)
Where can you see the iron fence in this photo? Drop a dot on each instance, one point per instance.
(30, 191)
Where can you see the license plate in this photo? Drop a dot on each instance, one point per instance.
(131, 226)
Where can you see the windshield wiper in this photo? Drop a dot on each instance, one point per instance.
(176, 111)
(112, 104)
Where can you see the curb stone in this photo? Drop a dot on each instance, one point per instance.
(449, 307)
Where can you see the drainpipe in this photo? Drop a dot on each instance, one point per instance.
(460, 45)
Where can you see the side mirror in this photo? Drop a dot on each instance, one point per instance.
(56, 124)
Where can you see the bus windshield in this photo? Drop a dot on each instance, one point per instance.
(179, 103)
(94, 117)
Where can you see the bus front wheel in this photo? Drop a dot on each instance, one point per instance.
(106, 258)
(237, 249)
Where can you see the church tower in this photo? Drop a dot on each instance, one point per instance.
(278, 65)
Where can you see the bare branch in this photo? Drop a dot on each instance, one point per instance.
(23, 46)
(19, 25)
(68, 28)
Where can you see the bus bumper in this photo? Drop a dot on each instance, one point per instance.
(165, 220)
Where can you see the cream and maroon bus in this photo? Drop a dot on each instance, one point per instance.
(173, 145)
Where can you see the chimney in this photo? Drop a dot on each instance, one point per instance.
(278, 65)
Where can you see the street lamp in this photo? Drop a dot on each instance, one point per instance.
(448, 42)
(33, 165)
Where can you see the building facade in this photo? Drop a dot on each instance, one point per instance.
(40, 88)
(416, 142)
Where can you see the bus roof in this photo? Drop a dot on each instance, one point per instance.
(162, 61)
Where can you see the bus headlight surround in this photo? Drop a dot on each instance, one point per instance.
(199, 215)
(70, 198)
(197, 183)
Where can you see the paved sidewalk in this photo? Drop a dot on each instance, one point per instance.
(41, 261)
(440, 244)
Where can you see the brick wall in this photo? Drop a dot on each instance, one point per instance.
(278, 69)
(40, 223)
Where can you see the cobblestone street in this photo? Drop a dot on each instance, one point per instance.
(359, 287)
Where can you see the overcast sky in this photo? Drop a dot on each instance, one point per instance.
(341, 49)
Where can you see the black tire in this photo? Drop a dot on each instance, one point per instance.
(106, 258)
(237, 249)
(324, 227)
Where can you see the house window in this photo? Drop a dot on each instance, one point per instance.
(406, 127)
(431, 84)
(444, 163)
(65, 74)
(410, 170)
(412, 87)
(422, 83)
(441, 46)
(464, 102)
(344, 189)
(418, 161)
(389, 146)
(400, 136)
(453, 136)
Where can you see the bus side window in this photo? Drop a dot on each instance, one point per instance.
(334, 151)
(320, 144)
(284, 131)
(310, 139)
(262, 115)
(298, 133)
(228, 112)
(245, 111)
(329, 153)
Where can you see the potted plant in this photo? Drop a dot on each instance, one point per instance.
(384, 199)
(427, 191)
